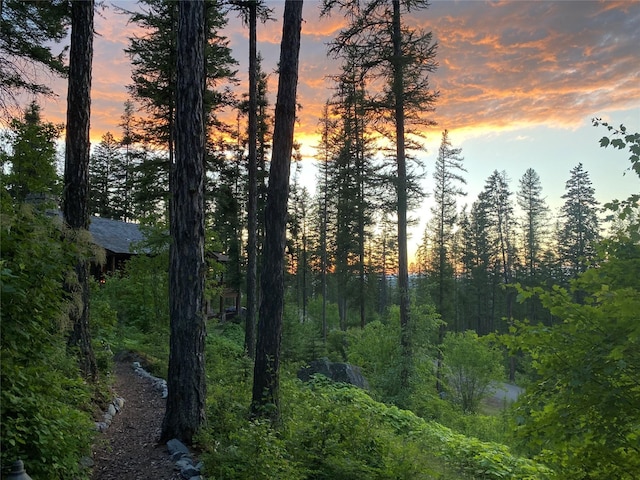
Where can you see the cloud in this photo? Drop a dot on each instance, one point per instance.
(532, 62)
(502, 64)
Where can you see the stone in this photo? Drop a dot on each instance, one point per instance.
(101, 427)
(336, 371)
(177, 456)
(189, 472)
(118, 403)
(111, 410)
(183, 463)
(174, 445)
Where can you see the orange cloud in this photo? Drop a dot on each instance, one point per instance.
(501, 63)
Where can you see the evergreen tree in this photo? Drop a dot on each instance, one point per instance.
(28, 31)
(124, 192)
(479, 260)
(103, 180)
(266, 375)
(352, 180)
(31, 156)
(534, 230)
(500, 210)
(153, 57)
(580, 228)
(185, 412)
(325, 155)
(75, 206)
(448, 178)
(402, 59)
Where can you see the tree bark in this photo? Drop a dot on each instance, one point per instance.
(403, 266)
(185, 412)
(76, 173)
(265, 398)
(252, 203)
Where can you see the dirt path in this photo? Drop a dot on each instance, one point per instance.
(128, 450)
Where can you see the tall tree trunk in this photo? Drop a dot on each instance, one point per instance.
(265, 400)
(76, 172)
(252, 204)
(185, 411)
(403, 265)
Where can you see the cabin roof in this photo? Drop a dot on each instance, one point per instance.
(115, 235)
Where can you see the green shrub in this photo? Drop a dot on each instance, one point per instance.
(44, 403)
(471, 364)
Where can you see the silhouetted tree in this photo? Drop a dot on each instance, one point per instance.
(266, 381)
(185, 412)
(580, 227)
(30, 156)
(75, 206)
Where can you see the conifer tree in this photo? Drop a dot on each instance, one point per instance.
(186, 413)
(105, 162)
(266, 375)
(580, 227)
(75, 205)
(534, 230)
(28, 32)
(31, 156)
(448, 180)
(153, 57)
(402, 59)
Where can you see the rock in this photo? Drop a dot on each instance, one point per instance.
(118, 403)
(174, 445)
(111, 410)
(189, 472)
(338, 372)
(177, 456)
(101, 427)
(183, 463)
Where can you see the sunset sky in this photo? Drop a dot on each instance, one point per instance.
(519, 82)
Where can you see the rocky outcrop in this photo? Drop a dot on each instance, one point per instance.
(336, 371)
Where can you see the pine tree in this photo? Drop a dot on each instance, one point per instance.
(580, 228)
(103, 180)
(266, 376)
(75, 206)
(31, 156)
(28, 31)
(534, 230)
(448, 178)
(402, 59)
(185, 412)
(153, 57)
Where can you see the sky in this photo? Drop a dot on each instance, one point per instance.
(518, 82)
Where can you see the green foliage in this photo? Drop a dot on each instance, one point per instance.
(301, 339)
(103, 324)
(336, 431)
(582, 412)
(229, 375)
(43, 400)
(470, 365)
(28, 31)
(254, 451)
(140, 294)
(31, 159)
(376, 349)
